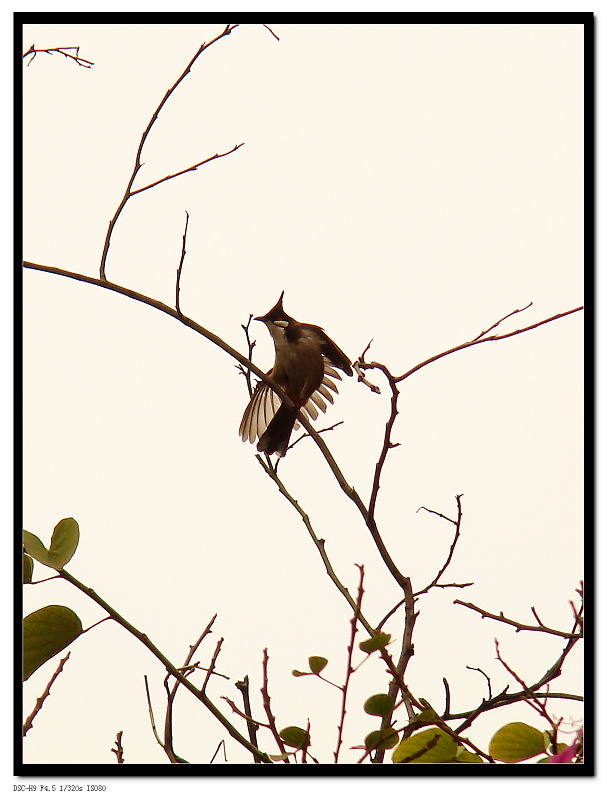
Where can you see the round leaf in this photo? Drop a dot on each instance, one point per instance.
(516, 741)
(45, 633)
(375, 643)
(466, 756)
(295, 737)
(64, 542)
(379, 705)
(431, 746)
(381, 740)
(34, 547)
(317, 664)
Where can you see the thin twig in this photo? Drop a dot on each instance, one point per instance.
(40, 701)
(520, 626)
(530, 698)
(252, 726)
(487, 678)
(118, 750)
(219, 746)
(179, 268)
(457, 523)
(82, 62)
(504, 698)
(447, 697)
(349, 670)
(138, 163)
(171, 668)
(499, 322)
(267, 705)
(212, 664)
(320, 430)
(151, 711)
(272, 32)
(193, 168)
(250, 346)
(495, 338)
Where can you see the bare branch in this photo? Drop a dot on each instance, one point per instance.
(64, 51)
(488, 679)
(504, 698)
(211, 669)
(520, 626)
(29, 722)
(181, 260)
(499, 322)
(219, 746)
(171, 668)
(118, 750)
(252, 726)
(272, 32)
(495, 338)
(457, 523)
(267, 706)
(138, 163)
(194, 167)
(349, 670)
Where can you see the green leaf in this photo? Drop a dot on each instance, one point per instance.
(381, 740)
(516, 741)
(432, 746)
(375, 642)
(34, 547)
(317, 664)
(298, 674)
(28, 568)
(45, 633)
(379, 705)
(295, 737)
(64, 542)
(466, 756)
(427, 715)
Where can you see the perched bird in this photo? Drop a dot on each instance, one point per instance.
(304, 367)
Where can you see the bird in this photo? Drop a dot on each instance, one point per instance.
(304, 367)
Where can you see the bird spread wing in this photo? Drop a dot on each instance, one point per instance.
(265, 403)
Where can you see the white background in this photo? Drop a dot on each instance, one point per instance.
(407, 184)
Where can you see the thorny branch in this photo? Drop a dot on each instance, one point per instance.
(129, 192)
(118, 750)
(170, 668)
(180, 267)
(265, 694)
(457, 523)
(186, 669)
(520, 626)
(496, 338)
(252, 726)
(64, 51)
(29, 722)
(349, 669)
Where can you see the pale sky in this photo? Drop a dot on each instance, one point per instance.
(409, 184)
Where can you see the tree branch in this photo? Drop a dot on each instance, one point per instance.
(173, 670)
(138, 163)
